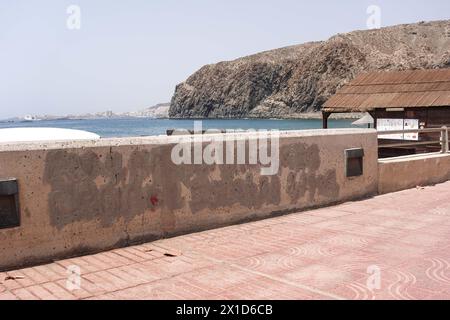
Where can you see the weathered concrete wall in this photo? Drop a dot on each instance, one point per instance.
(83, 197)
(410, 171)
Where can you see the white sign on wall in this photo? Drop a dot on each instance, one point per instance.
(398, 124)
(410, 124)
(390, 125)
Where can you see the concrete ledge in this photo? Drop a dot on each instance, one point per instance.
(410, 171)
(163, 139)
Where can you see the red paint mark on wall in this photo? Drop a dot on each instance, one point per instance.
(154, 200)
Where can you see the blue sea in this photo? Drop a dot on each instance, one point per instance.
(149, 127)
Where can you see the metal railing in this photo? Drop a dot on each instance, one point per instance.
(443, 141)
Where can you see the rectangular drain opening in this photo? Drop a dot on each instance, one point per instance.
(354, 162)
(9, 204)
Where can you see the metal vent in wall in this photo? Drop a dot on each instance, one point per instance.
(9, 203)
(354, 162)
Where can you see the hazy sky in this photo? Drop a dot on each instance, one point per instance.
(130, 54)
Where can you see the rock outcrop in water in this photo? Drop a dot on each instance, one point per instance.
(286, 82)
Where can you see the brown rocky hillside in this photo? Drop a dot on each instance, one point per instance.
(286, 82)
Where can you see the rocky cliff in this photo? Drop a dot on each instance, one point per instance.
(286, 82)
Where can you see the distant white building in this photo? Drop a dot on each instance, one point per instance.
(30, 118)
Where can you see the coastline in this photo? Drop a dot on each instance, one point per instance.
(298, 116)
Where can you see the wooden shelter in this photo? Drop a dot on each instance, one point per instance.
(398, 101)
(414, 94)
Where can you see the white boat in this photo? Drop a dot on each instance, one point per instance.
(44, 134)
(29, 118)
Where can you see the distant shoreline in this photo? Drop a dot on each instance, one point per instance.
(298, 116)
(306, 116)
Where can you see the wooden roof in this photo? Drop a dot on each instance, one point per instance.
(393, 89)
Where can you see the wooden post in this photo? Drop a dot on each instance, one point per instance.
(444, 139)
(325, 116)
(374, 116)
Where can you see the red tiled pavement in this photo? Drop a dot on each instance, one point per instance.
(330, 253)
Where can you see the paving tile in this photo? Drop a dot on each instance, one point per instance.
(114, 259)
(273, 262)
(168, 289)
(430, 273)
(328, 213)
(319, 276)
(18, 278)
(58, 292)
(218, 278)
(24, 294)
(51, 272)
(41, 292)
(99, 283)
(131, 257)
(87, 289)
(34, 275)
(7, 295)
(84, 263)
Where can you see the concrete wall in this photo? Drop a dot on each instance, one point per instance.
(410, 171)
(82, 197)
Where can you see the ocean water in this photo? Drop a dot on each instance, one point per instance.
(149, 127)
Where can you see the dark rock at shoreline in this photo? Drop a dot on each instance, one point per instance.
(286, 82)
